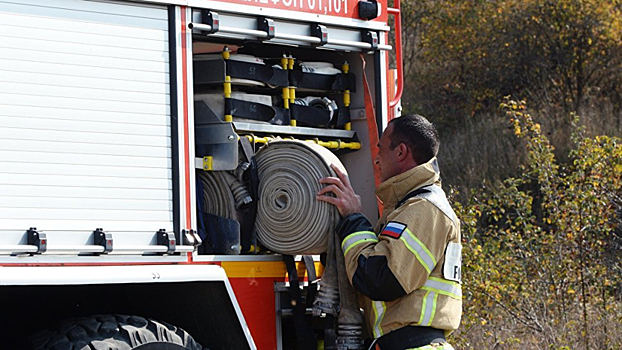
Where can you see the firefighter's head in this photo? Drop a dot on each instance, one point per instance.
(407, 141)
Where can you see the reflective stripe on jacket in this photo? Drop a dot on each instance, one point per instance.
(399, 266)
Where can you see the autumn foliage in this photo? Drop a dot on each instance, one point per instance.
(462, 57)
(541, 256)
(538, 192)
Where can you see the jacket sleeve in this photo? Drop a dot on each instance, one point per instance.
(370, 276)
(412, 243)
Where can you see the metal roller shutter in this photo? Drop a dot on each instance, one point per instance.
(85, 136)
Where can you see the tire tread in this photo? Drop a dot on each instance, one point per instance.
(111, 332)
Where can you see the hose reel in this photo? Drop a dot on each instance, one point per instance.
(289, 218)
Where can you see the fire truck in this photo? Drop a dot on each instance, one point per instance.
(132, 140)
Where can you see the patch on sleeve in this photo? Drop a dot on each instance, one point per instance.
(452, 269)
(393, 229)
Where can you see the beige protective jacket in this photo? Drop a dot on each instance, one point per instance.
(421, 242)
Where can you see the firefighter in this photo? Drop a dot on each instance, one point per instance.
(407, 269)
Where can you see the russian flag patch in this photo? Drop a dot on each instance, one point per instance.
(393, 229)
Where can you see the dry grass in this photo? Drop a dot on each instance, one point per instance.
(504, 333)
(485, 148)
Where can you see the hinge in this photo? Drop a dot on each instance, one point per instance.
(191, 237)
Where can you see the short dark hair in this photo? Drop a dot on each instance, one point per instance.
(418, 134)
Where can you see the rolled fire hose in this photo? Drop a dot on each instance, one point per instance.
(223, 194)
(290, 220)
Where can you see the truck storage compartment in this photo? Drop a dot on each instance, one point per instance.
(248, 94)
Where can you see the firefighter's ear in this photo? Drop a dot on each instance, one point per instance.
(402, 151)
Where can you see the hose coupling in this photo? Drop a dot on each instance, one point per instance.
(350, 337)
(327, 301)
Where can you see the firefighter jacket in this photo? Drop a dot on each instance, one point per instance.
(408, 270)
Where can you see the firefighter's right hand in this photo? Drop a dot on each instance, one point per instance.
(346, 201)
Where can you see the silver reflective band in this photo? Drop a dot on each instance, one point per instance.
(448, 288)
(357, 238)
(379, 308)
(437, 197)
(420, 250)
(428, 309)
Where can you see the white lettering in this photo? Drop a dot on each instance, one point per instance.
(337, 6)
(287, 2)
(311, 4)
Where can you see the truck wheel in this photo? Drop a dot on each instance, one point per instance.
(114, 332)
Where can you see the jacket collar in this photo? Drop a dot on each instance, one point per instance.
(394, 189)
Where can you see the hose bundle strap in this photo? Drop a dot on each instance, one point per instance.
(289, 218)
(304, 332)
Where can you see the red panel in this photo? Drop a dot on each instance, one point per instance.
(339, 8)
(256, 299)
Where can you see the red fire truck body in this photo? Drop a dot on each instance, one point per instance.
(101, 151)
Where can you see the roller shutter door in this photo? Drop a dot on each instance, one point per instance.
(85, 136)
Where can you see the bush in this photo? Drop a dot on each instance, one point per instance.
(541, 256)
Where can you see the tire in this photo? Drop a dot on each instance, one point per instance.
(114, 332)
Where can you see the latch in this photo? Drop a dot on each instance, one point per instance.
(103, 239)
(37, 239)
(211, 18)
(166, 239)
(371, 38)
(266, 25)
(320, 32)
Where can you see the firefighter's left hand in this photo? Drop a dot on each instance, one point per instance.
(346, 201)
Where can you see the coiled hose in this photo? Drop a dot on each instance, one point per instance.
(290, 220)
(224, 194)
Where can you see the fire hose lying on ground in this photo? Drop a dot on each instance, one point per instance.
(291, 221)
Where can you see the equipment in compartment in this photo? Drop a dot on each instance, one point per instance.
(241, 99)
(321, 76)
(276, 79)
(321, 112)
(210, 107)
(290, 220)
(244, 69)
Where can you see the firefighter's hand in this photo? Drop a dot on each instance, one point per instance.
(346, 201)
